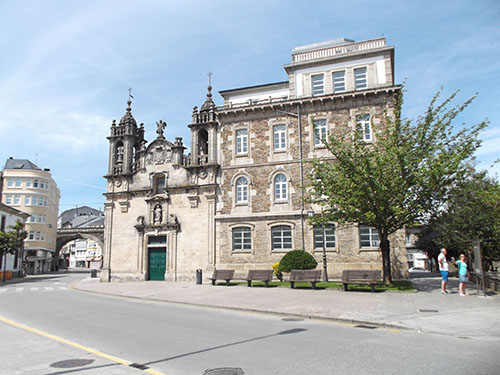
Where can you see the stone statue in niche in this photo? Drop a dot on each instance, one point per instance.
(157, 214)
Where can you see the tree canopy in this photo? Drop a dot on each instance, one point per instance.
(400, 178)
(471, 213)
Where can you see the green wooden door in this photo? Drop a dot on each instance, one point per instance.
(157, 263)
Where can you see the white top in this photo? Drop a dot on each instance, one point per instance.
(443, 263)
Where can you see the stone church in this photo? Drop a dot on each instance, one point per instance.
(238, 199)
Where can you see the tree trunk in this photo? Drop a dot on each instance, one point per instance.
(385, 247)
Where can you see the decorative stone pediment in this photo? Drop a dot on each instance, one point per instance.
(159, 153)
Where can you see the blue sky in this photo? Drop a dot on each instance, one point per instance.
(66, 67)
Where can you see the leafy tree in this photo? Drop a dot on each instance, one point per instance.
(399, 179)
(11, 241)
(472, 213)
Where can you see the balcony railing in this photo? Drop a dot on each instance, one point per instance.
(338, 50)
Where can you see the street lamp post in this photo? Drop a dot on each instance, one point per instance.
(301, 167)
(310, 214)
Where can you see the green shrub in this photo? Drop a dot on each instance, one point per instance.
(297, 260)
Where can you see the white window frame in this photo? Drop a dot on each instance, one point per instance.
(241, 190)
(28, 183)
(241, 139)
(10, 182)
(242, 238)
(35, 183)
(328, 231)
(17, 200)
(280, 187)
(360, 78)
(279, 137)
(8, 199)
(336, 81)
(284, 236)
(320, 130)
(371, 238)
(363, 125)
(318, 84)
(19, 183)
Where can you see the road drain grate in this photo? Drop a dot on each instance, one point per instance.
(427, 310)
(139, 366)
(365, 326)
(224, 371)
(69, 363)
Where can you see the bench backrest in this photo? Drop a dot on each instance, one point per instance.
(260, 275)
(305, 275)
(360, 275)
(223, 274)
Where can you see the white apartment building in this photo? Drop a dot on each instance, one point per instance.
(32, 190)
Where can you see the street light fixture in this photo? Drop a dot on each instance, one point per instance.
(310, 214)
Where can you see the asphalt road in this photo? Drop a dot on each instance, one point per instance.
(173, 339)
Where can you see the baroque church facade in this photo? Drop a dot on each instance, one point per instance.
(238, 199)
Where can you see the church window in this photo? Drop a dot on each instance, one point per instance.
(119, 152)
(242, 190)
(319, 132)
(364, 127)
(241, 141)
(280, 187)
(279, 135)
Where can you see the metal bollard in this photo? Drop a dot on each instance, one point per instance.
(199, 276)
(93, 273)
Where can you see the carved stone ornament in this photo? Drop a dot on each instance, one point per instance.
(159, 155)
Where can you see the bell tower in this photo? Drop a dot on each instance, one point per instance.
(125, 145)
(204, 132)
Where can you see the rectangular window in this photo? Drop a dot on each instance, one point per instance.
(32, 219)
(360, 81)
(338, 81)
(42, 184)
(8, 199)
(241, 141)
(326, 233)
(26, 200)
(40, 201)
(10, 182)
(318, 87)
(242, 238)
(281, 237)
(279, 134)
(319, 132)
(28, 183)
(35, 183)
(19, 182)
(31, 235)
(368, 237)
(364, 127)
(17, 200)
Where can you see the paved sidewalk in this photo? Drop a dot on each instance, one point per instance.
(427, 310)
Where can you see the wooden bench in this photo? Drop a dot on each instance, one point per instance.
(259, 275)
(367, 277)
(226, 275)
(309, 276)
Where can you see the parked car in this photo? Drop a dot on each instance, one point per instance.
(417, 269)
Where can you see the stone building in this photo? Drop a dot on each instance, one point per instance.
(238, 199)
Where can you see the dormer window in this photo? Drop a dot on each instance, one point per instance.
(318, 86)
(360, 81)
(338, 81)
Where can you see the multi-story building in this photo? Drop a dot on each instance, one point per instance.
(82, 252)
(32, 190)
(11, 264)
(238, 199)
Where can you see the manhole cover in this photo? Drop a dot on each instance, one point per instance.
(69, 363)
(224, 371)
